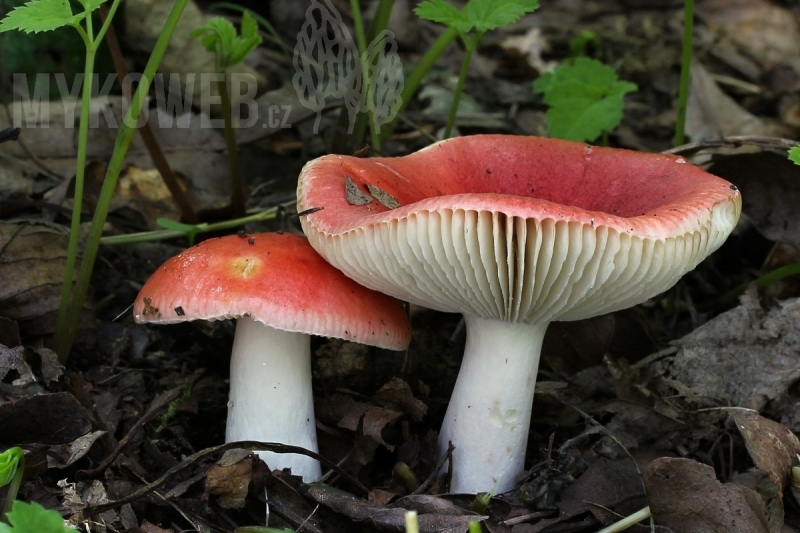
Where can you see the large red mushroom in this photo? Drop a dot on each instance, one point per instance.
(514, 232)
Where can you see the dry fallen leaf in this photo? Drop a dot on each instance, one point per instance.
(774, 450)
(685, 496)
(34, 256)
(770, 186)
(230, 478)
(353, 194)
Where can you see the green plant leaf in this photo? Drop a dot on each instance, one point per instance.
(585, 99)
(219, 36)
(91, 5)
(9, 460)
(482, 15)
(491, 14)
(794, 156)
(33, 518)
(40, 15)
(443, 13)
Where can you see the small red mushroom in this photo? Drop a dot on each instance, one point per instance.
(557, 230)
(281, 291)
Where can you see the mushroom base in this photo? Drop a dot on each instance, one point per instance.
(490, 409)
(270, 398)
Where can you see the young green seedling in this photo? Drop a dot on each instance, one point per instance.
(23, 517)
(12, 464)
(585, 99)
(477, 17)
(219, 36)
(32, 517)
(44, 15)
(794, 155)
(47, 15)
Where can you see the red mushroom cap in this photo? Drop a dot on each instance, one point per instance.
(277, 279)
(519, 228)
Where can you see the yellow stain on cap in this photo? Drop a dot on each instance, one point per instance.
(245, 267)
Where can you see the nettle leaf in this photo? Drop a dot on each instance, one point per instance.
(482, 15)
(40, 15)
(443, 13)
(219, 36)
(585, 97)
(91, 5)
(30, 517)
(491, 14)
(794, 155)
(248, 41)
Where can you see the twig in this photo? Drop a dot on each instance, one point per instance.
(163, 402)
(195, 458)
(610, 435)
(769, 143)
(149, 139)
(428, 482)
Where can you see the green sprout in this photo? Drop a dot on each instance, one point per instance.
(21, 517)
(794, 155)
(585, 99)
(220, 37)
(477, 17)
(32, 517)
(45, 15)
(12, 465)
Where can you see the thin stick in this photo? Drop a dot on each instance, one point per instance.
(145, 131)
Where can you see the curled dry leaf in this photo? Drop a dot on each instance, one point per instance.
(770, 191)
(353, 194)
(774, 450)
(56, 418)
(743, 357)
(230, 478)
(34, 256)
(685, 496)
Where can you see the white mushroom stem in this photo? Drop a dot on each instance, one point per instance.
(270, 397)
(490, 409)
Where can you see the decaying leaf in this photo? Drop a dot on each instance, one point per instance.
(63, 455)
(770, 186)
(56, 418)
(685, 496)
(354, 195)
(774, 450)
(398, 394)
(34, 256)
(14, 359)
(230, 478)
(743, 357)
(387, 200)
(386, 519)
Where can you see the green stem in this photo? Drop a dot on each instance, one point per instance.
(686, 64)
(415, 79)
(16, 482)
(361, 43)
(379, 23)
(124, 137)
(237, 186)
(462, 79)
(148, 236)
(769, 278)
(77, 204)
